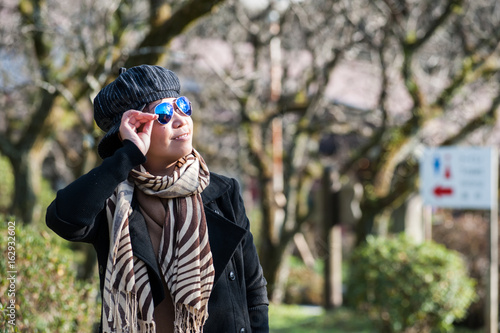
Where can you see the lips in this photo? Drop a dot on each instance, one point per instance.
(183, 136)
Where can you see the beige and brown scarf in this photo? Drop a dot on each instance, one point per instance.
(184, 254)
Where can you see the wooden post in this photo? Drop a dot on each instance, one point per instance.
(336, 263)
(427, 222)
(492, 302)
(333, 239)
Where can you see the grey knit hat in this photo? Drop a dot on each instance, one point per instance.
(133, 89)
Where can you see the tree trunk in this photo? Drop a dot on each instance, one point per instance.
(273, 248)
(27, 174)
(364, 227)
(274, 261)
(269, 241)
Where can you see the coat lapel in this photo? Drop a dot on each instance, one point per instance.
(224, 237)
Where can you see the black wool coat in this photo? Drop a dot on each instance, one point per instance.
(238, 302)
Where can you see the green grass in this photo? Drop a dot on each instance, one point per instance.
(302, 319)
(298, 319)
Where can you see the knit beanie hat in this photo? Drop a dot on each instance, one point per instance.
(133, 89)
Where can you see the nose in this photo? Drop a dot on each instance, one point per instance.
(179, 119)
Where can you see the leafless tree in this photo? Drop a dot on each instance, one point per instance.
(271, 80)
(424, 73)
(55, 57)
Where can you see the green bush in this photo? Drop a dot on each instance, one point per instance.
(6, 184)
(409, 287)
(304, 285)
(47, 296)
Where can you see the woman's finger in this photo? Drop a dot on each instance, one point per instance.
(136, 126)
(148, 127)
(136, 119)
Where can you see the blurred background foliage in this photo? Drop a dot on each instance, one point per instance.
(320, 108)
(48, 295)
(405, 286)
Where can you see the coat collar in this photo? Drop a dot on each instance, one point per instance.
(217, 187)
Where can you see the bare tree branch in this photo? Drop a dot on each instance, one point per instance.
(171, 27)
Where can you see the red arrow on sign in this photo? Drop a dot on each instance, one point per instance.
(441, 191)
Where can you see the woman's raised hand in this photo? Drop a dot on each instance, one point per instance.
(136, 126)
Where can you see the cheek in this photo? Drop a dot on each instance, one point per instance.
(159, 135)
(191, 125)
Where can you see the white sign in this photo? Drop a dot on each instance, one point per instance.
(459, 177)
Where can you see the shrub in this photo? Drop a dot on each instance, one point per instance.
(409, 287)
(451, 228)
(304, 285)
(6, 184)
(47, 295)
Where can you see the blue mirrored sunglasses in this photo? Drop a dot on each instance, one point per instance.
(165, 110)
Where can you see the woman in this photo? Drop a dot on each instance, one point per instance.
(174, 248)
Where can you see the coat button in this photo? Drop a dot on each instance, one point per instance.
(232, 277)
(101, 269)
(242, 330)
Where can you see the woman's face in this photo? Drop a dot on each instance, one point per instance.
(173, 140)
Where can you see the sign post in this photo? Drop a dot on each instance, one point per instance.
(466, 178)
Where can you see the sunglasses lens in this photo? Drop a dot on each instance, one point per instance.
(164, 112)
(184, 105)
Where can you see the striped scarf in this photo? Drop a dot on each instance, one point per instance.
(184, 254)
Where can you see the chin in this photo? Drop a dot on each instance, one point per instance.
(185, 152)
(188, 151)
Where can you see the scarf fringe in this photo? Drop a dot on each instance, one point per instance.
(147, 327)
(188, 319)
(130, 324)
